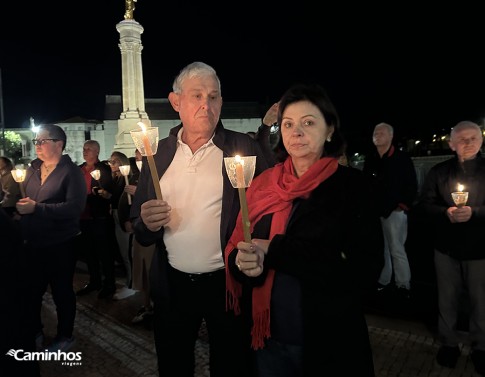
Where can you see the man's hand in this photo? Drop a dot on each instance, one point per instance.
(271, 116)
(459, 215)
(155, 214)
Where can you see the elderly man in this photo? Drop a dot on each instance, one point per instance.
(459, 253)
(191, 227)
(395, 186)
(97, 242)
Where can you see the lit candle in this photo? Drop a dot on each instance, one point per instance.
(145, 140)
(19, 177)
(460, 197)
(151, 162)
(125, 171)
(96, 174)
(239, 171)
(241, 187)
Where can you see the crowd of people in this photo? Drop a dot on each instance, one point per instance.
(280, 280)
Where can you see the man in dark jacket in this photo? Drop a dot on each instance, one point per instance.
(395, 186)
(97, 241)
(191, 227)
(459, 254)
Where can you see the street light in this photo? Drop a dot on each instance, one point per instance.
(33, 127)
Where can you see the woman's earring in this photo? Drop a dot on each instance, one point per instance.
(329, 138)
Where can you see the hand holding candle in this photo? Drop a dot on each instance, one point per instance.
(96, 174)
(125, 171)
(460, 197)
(19, 177)
(240, 171)
(143, 140)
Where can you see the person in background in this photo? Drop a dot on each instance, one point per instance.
(316, 244)
(191, 226)
(459, 253)
(10, 193)
(97, 228)
(268, 135)
(116, 160)
(395, 186)
(141, 255)
(50, 212)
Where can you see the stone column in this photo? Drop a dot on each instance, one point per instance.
(133, 97)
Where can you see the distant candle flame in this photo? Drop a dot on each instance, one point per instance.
(125, 169)
(96, 174)
(19, 175)
(460, 187)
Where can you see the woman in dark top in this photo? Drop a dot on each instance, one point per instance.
(316, 245)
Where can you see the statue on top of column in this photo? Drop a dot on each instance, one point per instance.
(129, 9)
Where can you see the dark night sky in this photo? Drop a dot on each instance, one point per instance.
(417, 67)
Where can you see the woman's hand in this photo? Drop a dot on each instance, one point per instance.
(25, 206)
(250, 256)
(130, 189)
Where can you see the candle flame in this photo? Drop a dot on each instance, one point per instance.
(19, 175)
(460, 187)
(238, 160)
(143, 127)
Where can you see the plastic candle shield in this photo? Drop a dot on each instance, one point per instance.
(240, 171)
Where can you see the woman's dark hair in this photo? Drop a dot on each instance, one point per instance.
(8, 163)
(55, 132)
(316, 95)
(123, 158)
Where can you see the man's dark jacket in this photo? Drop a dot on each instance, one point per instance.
(462, 241)
(393, 179)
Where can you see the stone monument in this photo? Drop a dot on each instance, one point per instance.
(133, 96)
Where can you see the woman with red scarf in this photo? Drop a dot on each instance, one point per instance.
(316, 249)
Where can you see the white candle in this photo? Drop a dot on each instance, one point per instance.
(242, 197)
(125, 171)
(151, 162)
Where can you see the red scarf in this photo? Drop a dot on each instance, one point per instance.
(273, 191)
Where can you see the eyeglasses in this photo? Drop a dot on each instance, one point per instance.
(42, 141)
(114, 162)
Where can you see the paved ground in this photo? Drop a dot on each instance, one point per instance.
(403, 345)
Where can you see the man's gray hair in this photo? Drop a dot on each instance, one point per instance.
(95, 143)
(386, 125)
(464, 125)
(195, 69)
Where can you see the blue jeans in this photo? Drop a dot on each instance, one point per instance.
(395, 229)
